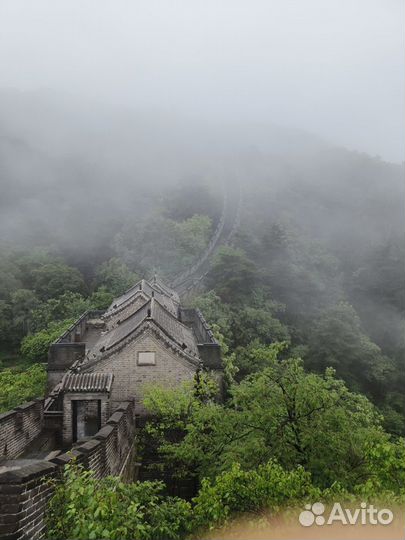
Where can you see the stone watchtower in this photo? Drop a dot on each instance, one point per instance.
(145, 337)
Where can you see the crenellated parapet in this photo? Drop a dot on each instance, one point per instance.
(26, 487)
(19, 427)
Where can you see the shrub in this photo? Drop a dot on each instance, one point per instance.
(236, 491)
(85, 508)
(35, 346)
(15, 387)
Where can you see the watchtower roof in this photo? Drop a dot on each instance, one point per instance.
(153, 311)
(167, 297)
(86, 382)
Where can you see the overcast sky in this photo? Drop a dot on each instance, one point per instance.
(331, 67)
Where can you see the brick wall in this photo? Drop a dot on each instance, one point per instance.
(61, 357)
(69, 348)
(77, 331)
(130, 379)
(24, 493)
(208, 347)
(105, 452)
(19, 427)
(25, 487)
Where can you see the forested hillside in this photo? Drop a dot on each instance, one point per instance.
(307, 300)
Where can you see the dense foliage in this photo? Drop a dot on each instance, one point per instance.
(283, 413)
(308, 304)
(85, 508)
(17, 387)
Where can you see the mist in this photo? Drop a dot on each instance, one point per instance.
(108, 109)
(216, 186)
(334, 68)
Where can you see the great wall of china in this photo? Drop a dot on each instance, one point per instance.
(33, 436)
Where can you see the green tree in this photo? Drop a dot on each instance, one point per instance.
(101, 298)
(17, 387)
(191, 237)
(10, 275)
(380, 275)
(115, 276)
(23, 302)
(84, 507)
(252, 323)
(69, 305)
(7, 333)
(189, 200)
(162, 244)
(27, 261)
(233, 276)
(280, 413)
(234, 492)
(255, 357)
(338, 340)
(301, 272)
(35, 347)
(54, 279)
(215, 312)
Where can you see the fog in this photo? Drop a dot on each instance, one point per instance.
(141, 136)
(105, 107)
(334, 68)
(251, 155)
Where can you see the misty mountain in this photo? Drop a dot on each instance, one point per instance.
(73, 172)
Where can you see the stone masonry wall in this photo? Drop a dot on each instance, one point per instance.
(61, 357)
(77, 331)
(19, 427)
(130, 378)
(23, 497)
(25, 488)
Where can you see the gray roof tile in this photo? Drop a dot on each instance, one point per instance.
(86, 382)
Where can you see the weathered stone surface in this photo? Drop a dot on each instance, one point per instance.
(25, 489)
(19, 427)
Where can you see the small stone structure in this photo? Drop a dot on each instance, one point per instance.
(97, 372)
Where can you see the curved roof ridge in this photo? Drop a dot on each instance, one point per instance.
(157, 313)
(137, 294)
(148, 289)
(121, 299)
(158, 283)
(121, 331)
(156, 329)
(187, 332)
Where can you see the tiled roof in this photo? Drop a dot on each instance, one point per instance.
(165, 289)
(152, 310)
(180, 333)
(87, 382)
(166, 296)
(118, 333)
